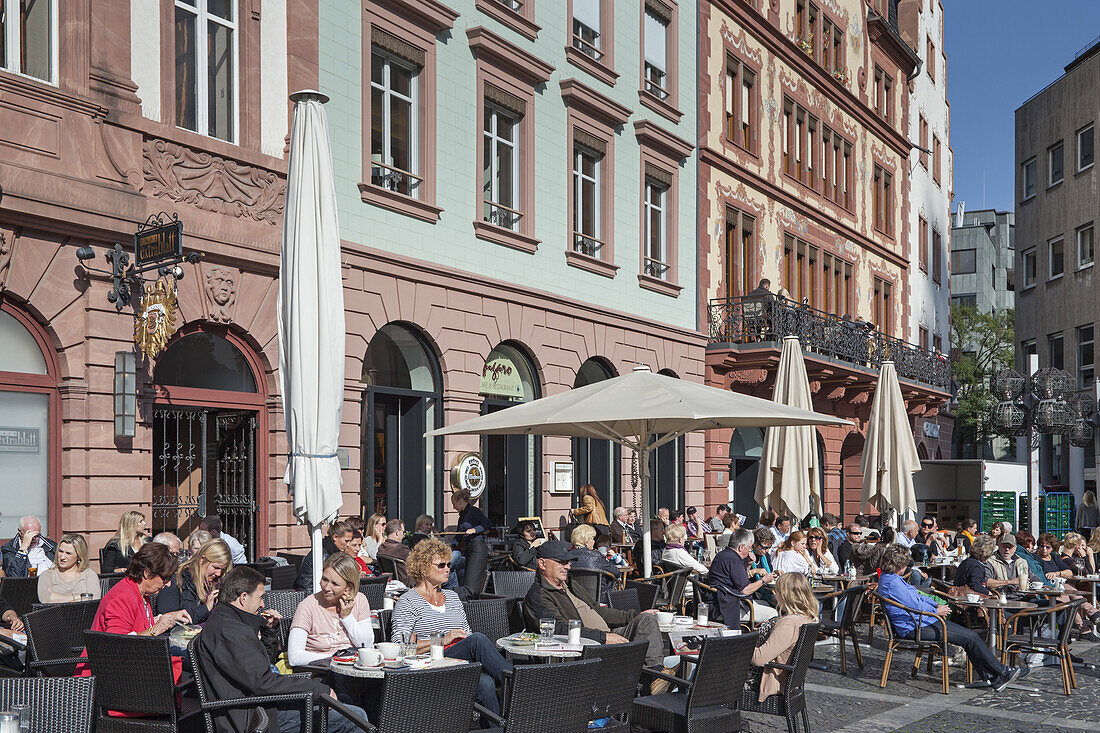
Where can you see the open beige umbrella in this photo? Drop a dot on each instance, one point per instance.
(788, 474)
(641, 411)
(890, 453)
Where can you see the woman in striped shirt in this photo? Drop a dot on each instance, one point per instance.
(428, 608)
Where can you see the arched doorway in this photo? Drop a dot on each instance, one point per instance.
(403, 400)
(209, 426)
(666, 467)
(597, 462)
(851, 476)
(922, 451)
(29, 424)
(512, 462)
(746, 446)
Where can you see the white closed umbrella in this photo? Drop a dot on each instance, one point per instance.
(890, 452)
(641, 411)
(788, 475)
(311, 322)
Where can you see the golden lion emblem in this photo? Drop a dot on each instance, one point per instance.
(156, 320)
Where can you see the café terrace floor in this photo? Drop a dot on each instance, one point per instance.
(856, 704)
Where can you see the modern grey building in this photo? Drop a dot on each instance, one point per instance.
(1058, 202)
(982, 259)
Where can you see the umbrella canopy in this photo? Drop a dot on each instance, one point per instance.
(788, 474)
(311, 320)
(641, 411)
(890, 453)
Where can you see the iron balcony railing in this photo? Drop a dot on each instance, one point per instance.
(763, 319)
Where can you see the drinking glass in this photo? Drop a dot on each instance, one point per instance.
(574, 632)
(24, 713)
(437, 646)
(408, 644)
(701, 615)
(86, 597)
(546, 630)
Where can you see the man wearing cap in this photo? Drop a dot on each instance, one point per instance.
(551, 597)
(1007, 569)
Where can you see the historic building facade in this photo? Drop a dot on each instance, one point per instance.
(805, 180)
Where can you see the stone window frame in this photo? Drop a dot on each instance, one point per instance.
(1060, 145)
(669, 106)
(416, 23)
(521, 19)
(732, 58)
(660, 154)
(1024, 195)
(513, 74)
(884, 191)
(1087, 128)
(591, 116)
(13, 33)
(604, 68)
(1051, 275)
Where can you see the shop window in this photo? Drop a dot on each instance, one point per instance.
(597, 462)
(206, 67)
(28, 38)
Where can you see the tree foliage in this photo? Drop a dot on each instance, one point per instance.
(983, 345)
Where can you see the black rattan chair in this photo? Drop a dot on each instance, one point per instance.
(896, 642)
(283, 577)
(57, 704)
(55, 637)
(709, 701)
(107, 581)
(670, 587)
(1031, 643)
(294, 560)
(620, 669)
(845, 626)
(286, 603)
(134, 675)
(489, 616)
(21, 593)
(647, 593)
(375, 594)
(512, 583)
(624, 600)
(592, 581)
(790, 702)
(385, 624)
(545, 697)
(411, 700)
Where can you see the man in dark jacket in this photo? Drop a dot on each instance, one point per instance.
(393, 547)
(28, 547)
(235, 651)
(551, 597)
(339, 535)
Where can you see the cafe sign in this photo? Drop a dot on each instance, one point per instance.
(500, 378)
(468, 472)
(156, 318)
(19, 440)
(158, 243)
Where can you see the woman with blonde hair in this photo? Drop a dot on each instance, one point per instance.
(335, 617)
(591, 510)
(373, 536)
(195, 588)
(115, 555)
(196, 540)
(797, 606)
(1094, 541)
(676, 554)
(817, 543)
(71, 577)
(1077, 555)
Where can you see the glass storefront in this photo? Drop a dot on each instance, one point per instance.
(597, 462)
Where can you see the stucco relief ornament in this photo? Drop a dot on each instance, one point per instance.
(221, 286)
(156, 321)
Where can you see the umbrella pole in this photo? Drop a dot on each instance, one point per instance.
(315, 532)
(647, 538)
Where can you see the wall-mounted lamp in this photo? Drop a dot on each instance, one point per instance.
(125, 394)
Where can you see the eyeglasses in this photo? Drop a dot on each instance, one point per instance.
(442, 565)
(927, 526)
(814, 539)
(852, 531)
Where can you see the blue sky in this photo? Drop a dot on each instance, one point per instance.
(1000, 53)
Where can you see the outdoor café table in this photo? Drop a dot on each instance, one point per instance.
(350, 669)
(1092, 581)
(940, 569)
(844, 581)
(995, 608)
(509, 645)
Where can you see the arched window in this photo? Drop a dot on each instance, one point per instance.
(204, 360)
(398, 358)
(746, 447)
(28, 414)
(597, 462)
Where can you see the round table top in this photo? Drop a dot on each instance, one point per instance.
(995, 604)
(352, 670)
(532, 650)
(846, 578)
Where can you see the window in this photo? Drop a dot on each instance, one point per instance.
(836, 284)
(969, 301)
(1028, 347)
(936, 157)
(1029, 259)
(586, 28)
(964, 262)
(937, 257)
(656, 229)
(880, 92)
(1086, 252)
(1055, 353)
(788, 113)
(931, 60)
(500, 168)
(1085, 367)
(1084, 148)
(883, 201)
(206, 67)
(922, 243)
(832, 49)
(1028, 179)
(740, 252)
(815, 155)
(741, 106)
(883, 314)
(799, 149)
(656, 52)
(1054, 163)
(586, 200)
(937, 344)
(1057, 258)
(27, 42)
(923, 127)
(800, 274)
(923, 338)
(394, 125)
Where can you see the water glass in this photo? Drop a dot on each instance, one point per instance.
(87, 597)
(24, 713)
(408, 644)
(546, 630)
(9, 722)
(437, 646)
(701, 615)
(574, 632)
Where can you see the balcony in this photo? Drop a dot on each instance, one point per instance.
(755, 323)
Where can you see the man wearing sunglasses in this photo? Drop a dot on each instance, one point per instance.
(844, 552)
(931, 538)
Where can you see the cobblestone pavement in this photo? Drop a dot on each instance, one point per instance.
(854, 703)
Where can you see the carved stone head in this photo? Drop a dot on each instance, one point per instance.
(221, 286)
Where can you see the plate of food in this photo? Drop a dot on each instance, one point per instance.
(345, 658)
(524, 638)
(183, 633)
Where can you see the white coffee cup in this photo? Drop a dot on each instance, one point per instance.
(389, 650)
(369, 657)
(1036, 586)
(973, 597)
(664, 618)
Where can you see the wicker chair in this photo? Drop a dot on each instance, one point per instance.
(411, 700)
(512, 583)
(647, 593)
(670, 586)
(210, 707)
(845, 627)
(286, 603)
(709, 701)
(119, 662)
(620, 670)
(571, 686)
(895, 642)
(283, 577)
(1030, 643)
(294, 560)
(624, 600)
(21, 593)
(57, 704)
(55, 637)
(592, 581)
(107, 581)
(385, 624)
(375, 594)
(790, 701)
(489, 616)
